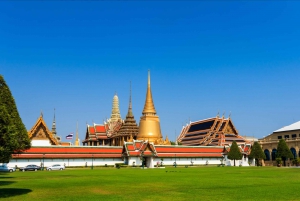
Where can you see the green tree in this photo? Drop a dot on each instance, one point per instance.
(234, 153)
(257, 153)
(283, 151)
(13, 135)
(174, 143)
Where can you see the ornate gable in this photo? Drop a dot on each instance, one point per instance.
(138, 148)
(230, 128)
(41, 131)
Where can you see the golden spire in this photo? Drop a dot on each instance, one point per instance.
(149, 105)
(149, 128)
(77, 140)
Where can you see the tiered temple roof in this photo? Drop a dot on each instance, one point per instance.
(216, 131)
(95, 133)
(130, 127)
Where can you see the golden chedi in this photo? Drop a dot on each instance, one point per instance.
(149, 128)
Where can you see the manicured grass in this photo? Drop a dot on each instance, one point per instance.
(200, 183)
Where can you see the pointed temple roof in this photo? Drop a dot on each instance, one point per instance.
(130, 126)
(115, 113)
(149, 105)
(95, 132)
(54, 125)
(214, 131)
(77, 139)
(149, 127)
(41, 131)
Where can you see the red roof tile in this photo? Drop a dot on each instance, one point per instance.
(100, 129)
(92, 130)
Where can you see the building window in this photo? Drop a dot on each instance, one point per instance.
(267, 153)
(274, 151)
(287, 136)
(294, 135)
(279, 137)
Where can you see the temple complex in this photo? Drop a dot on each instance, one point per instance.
(204, 142)
(216, 131)
(149, 129)
(114, 131)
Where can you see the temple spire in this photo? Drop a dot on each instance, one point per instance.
(149, 127)
(129, 129)
(54, 125)
(149, 105)
(130, 104)
(77, 140)
(115, 113)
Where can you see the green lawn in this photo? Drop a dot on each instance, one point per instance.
(200, 183)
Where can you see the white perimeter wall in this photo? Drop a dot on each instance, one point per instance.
(67, 162)
(151, 161)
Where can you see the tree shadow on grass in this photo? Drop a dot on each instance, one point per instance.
(4, 183)
(9, 192)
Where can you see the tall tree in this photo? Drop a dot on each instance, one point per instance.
(13, 135)
(257, 153)
(234, 153)
(283, 151)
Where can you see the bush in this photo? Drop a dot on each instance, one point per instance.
(278, 161)
(118, 165)
(296, 161)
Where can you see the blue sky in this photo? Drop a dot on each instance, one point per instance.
(204, 57)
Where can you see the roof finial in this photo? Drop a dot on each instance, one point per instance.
(130, 105)
(54, 114)
(54, 125)
(77, 140)
(229, 114)
(42, 113)
(148, 78)
(218, 114)
(149, 108)
(129, 113)
(223, 114)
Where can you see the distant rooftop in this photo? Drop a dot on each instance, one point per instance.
(294, 126)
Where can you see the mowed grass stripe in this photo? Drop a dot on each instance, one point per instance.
(201, 183)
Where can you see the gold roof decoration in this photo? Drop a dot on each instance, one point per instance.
(149, 105)
(167, 141)
(77, 139)
(41, 131)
